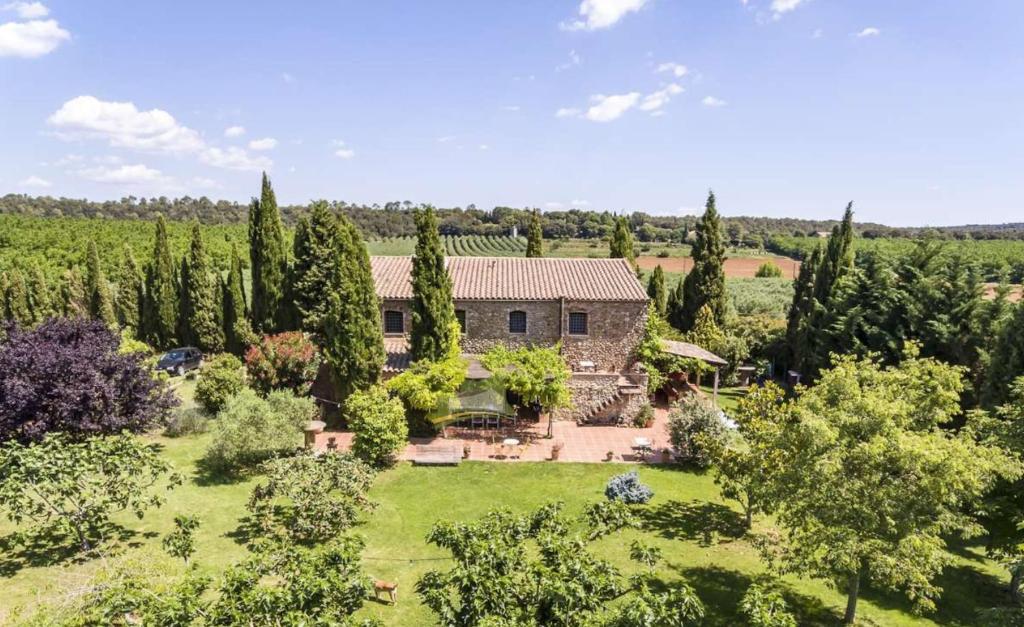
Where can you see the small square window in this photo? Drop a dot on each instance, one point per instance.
(394, 322)
(577, 323)
(460, 315)
(517, 322)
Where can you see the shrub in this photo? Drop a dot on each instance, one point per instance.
(691, 424)
(310, 498)
(768, 270)
(628, 489)
(98, 391)
(663, 253)
(378, 422)
(221, 379)
(286, 361)
(250, 430)
(186, 422)
(645, 415)
(764, 606)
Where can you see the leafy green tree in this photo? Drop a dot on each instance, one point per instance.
(73, 298)
(768, 270)
(160, 312)
(764, 606)
(316, 242)
(268, 259)
(870, 487)
(101, 302)
(310, 498)
(200, 308)
(353, 342)
(379, 426)
(705, 283)
(72, 488)
(837, 259)
(534, 236)
(620, 246)
(220, 380)
(695, 430)
(15, 302)
(130, 294)
(250, 430)
(1007, 359)
(433, 311)
(237, 331)
(181, 541)
(800, 311)
(286, 361)
(656, 291)
(40, 300)
(536, 374)
(425, 384)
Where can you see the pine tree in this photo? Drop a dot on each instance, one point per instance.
(1007, 361)
(620, 246)
(235, 318)
(535, 236)
(268, 261)
(315, 241)
(838, 257)
(15, 295)
(101, 303)
(674, 310)
(656, 290)
(353, 344)
(74, 301)
(800, 309)
(130, 294)
(39, 299)
(160, 309)
(198, 317)
(705, 283)
(433, 311)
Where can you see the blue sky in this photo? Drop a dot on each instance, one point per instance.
(914, 110)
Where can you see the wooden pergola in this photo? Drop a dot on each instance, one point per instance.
(692, 351)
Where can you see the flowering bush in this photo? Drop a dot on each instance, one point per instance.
(283, 361)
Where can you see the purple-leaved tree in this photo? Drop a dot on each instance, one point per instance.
(66, 375)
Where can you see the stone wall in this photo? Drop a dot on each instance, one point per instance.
(614, 328)
(591, 390)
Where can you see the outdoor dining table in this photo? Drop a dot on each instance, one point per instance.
(642, 445)
(510, 442)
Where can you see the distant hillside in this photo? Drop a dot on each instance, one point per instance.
(394, 219)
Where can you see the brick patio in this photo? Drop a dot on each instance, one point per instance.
(581, 443)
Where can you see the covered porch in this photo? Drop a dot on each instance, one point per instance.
(692, 351)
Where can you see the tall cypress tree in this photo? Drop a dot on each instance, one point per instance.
(433, 311)
(801, 308)
(838, 258)
(39, 299)
(268, 261)
(535, 236)
(101, 303)
(74, 300)
(16, 305)
(316, 239)
(198, 318)
(674, 310)
(705, 284)
(620, 246)
(130, 294)
(656, 290)
(160, 310)
(353, 344)
(236, 313)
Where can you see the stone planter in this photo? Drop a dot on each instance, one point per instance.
(556, 450)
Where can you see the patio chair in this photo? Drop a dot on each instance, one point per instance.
(499, 450)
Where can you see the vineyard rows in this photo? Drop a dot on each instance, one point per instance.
(455, 246)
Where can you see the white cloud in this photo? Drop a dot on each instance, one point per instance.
(567, 112)
(785, 6)
(68, 160)
(343, 151)
(574, 60)
(234, 158)
(31, 39)
(598, 14)
(484, 147)
(870, 31)
(286, 77)
(205, 183)
(122, 125)
(265, 143)
(35, 181)
(711, 101)
(677, 69)
(608, 108)
(512, 108)
(124, 175)
(580, 203)
(28, 10)
(444, 139)
(817, 33)
(234, 131)
(656, 100)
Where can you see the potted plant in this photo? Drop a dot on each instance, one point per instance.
(556, 450)
(466, 450)
(666, 455)
(609, 456)
(644, 418)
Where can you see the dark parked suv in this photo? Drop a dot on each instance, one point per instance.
(180, 360)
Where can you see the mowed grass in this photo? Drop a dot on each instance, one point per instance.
(696, 530)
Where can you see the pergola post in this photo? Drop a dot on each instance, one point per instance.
(715, 397)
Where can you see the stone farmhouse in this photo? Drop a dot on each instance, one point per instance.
(596, 309)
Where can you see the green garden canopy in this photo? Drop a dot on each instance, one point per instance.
(476, 397)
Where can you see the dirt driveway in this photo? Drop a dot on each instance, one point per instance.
(735, 267)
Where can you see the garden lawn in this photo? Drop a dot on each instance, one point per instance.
(728, 398)
(697, 532)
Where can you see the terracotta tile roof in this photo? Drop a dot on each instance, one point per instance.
(398, 355)
(685, 349)
(518, 278)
